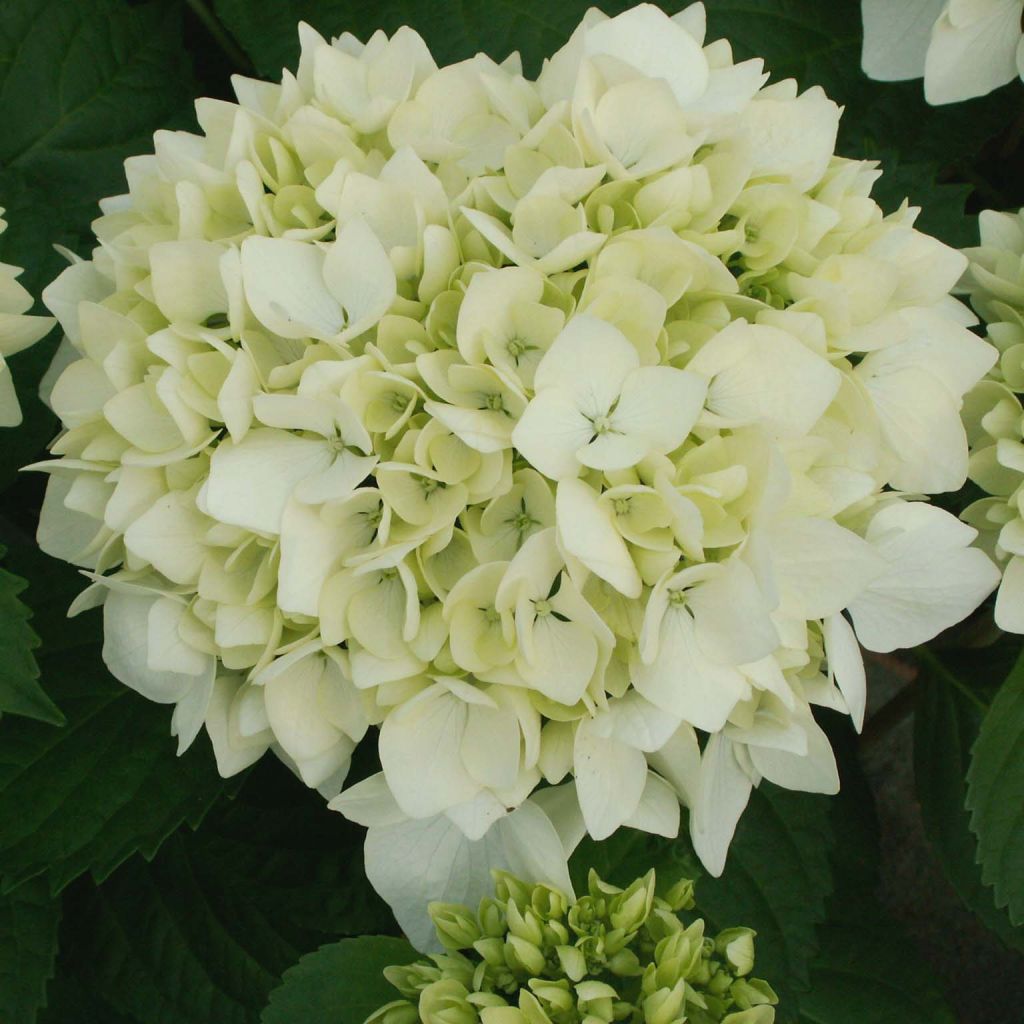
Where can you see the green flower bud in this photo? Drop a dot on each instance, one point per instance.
(445, 1002)
(756, 1015)
(525, 925)
(625, 964)
(507, 887)
(665, 1005)
(502, 1015)
(680, 896)
(399, 1012)
(533, 1012)
(554, 996)
(411, 979)
(737, 946)
(491, 918)
(532, 955)
(524, 955)
(748, 992)
(572, 961)
(492, 951)
(630, 909)
(456, 926)
(596, 999)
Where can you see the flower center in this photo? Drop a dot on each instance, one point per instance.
(601, 425)
(621, 506)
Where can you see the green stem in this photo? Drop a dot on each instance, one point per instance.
(224, 39)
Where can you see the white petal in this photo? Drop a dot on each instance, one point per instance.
(648, 40)
(660, 404)
(686, 683)
(658, 811)
(369, 803)
(126, 650)
(250, 482)
(813, 772)
(762, 374)
(360, 276)
(414, 863)
(678, 762)
(186, 280)
(846, 665)
(589, 361)
(896, 37)
(285, 289)
(975, 57)
(934, 580)
(610, 780)
(722, 601)
(550, 433)
(820, 566)
(420, 752)
(1009, 612)
(587, 531)
(722, 794)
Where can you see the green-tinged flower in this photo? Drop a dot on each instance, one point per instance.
(992, 410)
(562, 430)
(18, 330)
(623, 961)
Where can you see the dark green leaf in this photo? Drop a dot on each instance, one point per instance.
(20, 692)
(995, 795)
(863, 974)
(946, 723)
(203, 932)
(339, 984)
(28, 945)
(776, 881)
(85, 797)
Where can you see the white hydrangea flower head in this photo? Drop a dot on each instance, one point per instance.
(560, 436)
(18, 330)
(962, 48)
(995, 283)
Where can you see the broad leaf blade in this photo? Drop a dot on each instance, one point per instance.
(946, 724)
(204, 931)
(20, 692)
(995, 795)
(28, 946)
(862, 974)
(339, 984)
(85, 797)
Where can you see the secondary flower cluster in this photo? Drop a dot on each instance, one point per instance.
(531, 955)
(995, 283)
(962, 48)
(17, 332)
(537, 423)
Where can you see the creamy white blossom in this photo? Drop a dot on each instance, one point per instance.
(561, 437)
(962, 48)
(18, 330)
(995, 283)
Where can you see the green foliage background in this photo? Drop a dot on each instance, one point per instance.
(139, 887)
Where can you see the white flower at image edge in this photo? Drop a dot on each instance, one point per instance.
(962, 48)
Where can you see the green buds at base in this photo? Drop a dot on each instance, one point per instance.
(531, 954)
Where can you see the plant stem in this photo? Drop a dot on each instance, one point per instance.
(935, 667)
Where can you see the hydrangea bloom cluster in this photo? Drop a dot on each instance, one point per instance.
(18, 330)
(531, 955)
(962, 48)
(995, 283)
(541, 425)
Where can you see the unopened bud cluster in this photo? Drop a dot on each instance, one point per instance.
(532, 955)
